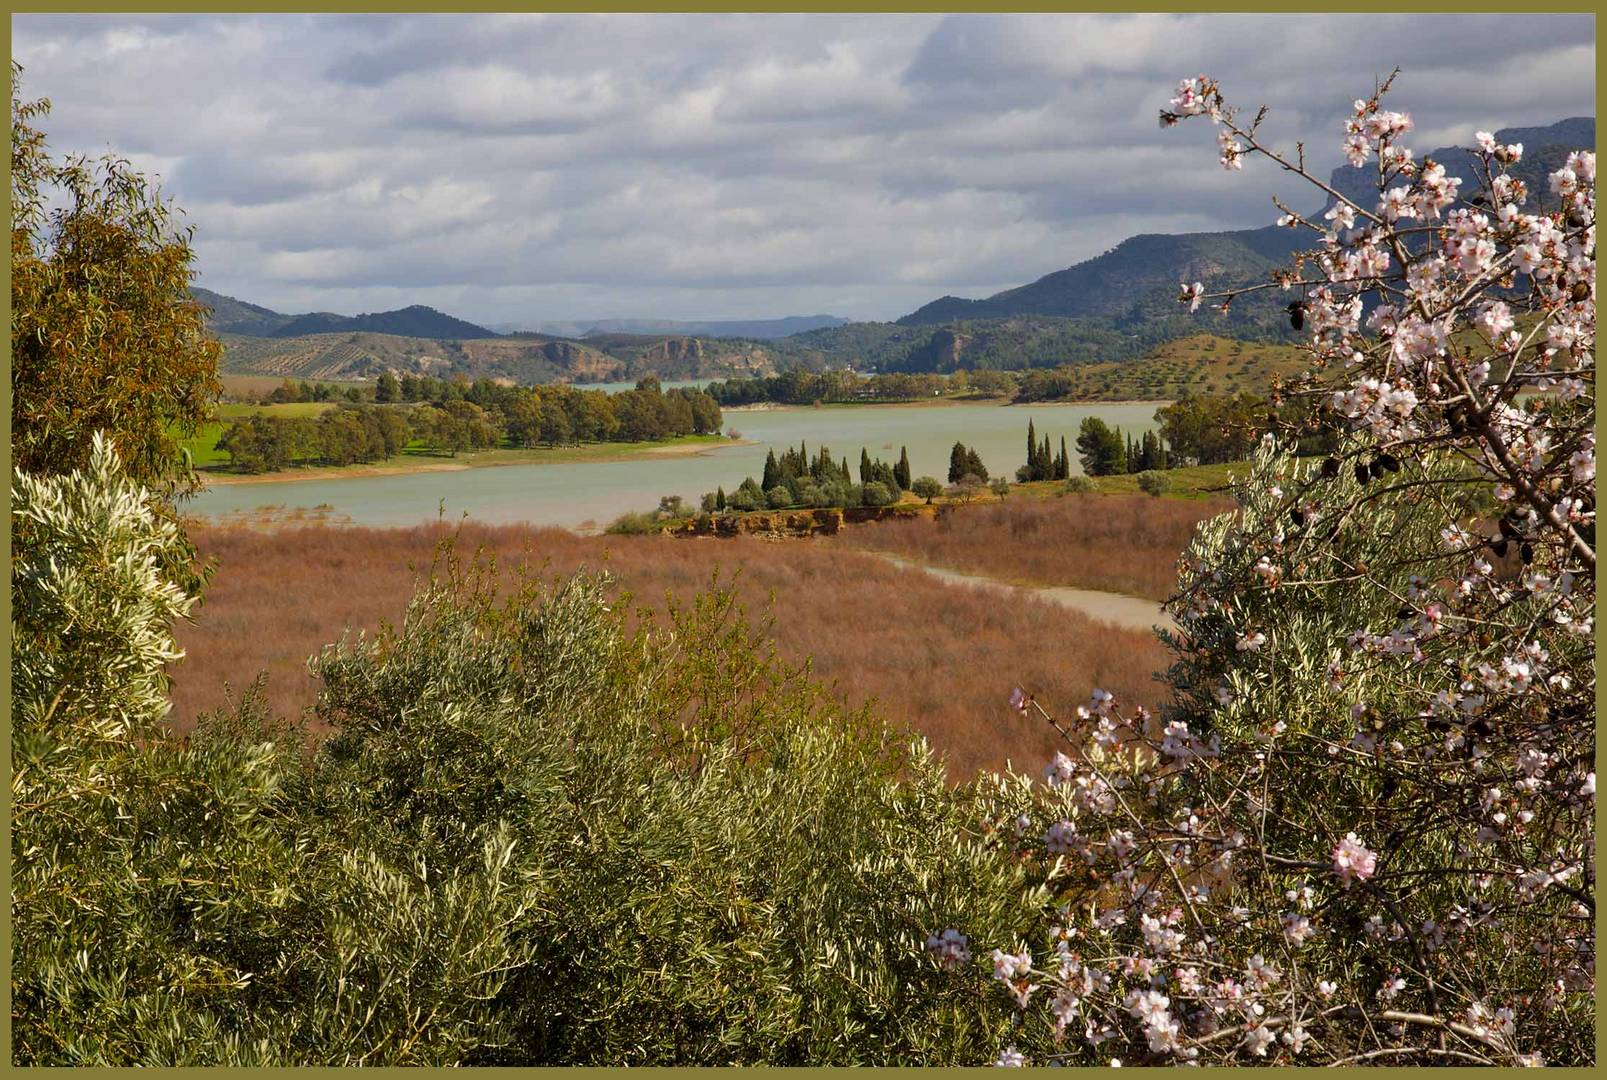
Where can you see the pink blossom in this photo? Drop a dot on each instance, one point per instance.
(1352, 861)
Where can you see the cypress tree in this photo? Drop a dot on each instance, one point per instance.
(1032, 450)
(1063, 466)
(719, 499)
(974, 466)
(864, 466)
(772, 471)
(956, 463)
(901, 471)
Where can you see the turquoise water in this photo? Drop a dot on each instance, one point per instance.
(588, 495)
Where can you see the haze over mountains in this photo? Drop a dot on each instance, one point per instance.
(1116, 306)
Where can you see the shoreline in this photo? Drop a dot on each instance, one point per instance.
(1005, 403)
(571, 456)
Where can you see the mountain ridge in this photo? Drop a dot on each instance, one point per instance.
(230, 315)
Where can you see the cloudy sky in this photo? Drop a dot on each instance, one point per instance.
(521, 168)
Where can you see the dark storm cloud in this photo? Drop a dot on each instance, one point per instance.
(510, 167)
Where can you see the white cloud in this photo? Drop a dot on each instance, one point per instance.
(570, 166)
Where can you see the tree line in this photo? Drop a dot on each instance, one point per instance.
(801, 387)
(794, 479)
(477, 416)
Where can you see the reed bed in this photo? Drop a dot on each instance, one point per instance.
(934, 658)
(1116, 543)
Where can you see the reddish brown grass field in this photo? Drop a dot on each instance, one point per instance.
(1118, 543)
(936, 658)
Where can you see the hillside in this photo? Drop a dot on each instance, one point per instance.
(1139, 271)
(230, 316)
(1198, 364)
(521, 358)
(361, 355)
(1018, 343)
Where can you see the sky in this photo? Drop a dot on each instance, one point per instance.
(527, 168)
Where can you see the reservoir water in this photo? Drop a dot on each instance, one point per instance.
(588, 495)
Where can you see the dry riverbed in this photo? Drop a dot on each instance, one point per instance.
(1117, 609)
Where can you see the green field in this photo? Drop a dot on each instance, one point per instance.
(203, 446)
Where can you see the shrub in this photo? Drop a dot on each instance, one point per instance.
(533, 837)
(1080, 485)
(1154, 483)
(634, 523)
(877, 494)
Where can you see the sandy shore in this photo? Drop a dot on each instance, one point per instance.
(353, 472)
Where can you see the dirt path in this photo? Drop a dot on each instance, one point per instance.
(1118, 609)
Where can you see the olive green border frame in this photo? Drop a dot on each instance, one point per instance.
(707, 7)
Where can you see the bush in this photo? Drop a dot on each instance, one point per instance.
(877, 494)
(534, 836)
(634, 523)
(1000, 487)
(1080, 485)
(1154, 483)
(778, 497)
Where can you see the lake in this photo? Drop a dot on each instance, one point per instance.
(588, 495)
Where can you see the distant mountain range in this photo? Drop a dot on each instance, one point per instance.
(1116, 306)
(751, 329)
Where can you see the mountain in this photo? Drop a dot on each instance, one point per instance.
(414, 321)
(1137, 279)
(231, 316)
(753, 329)
(1139, 268)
